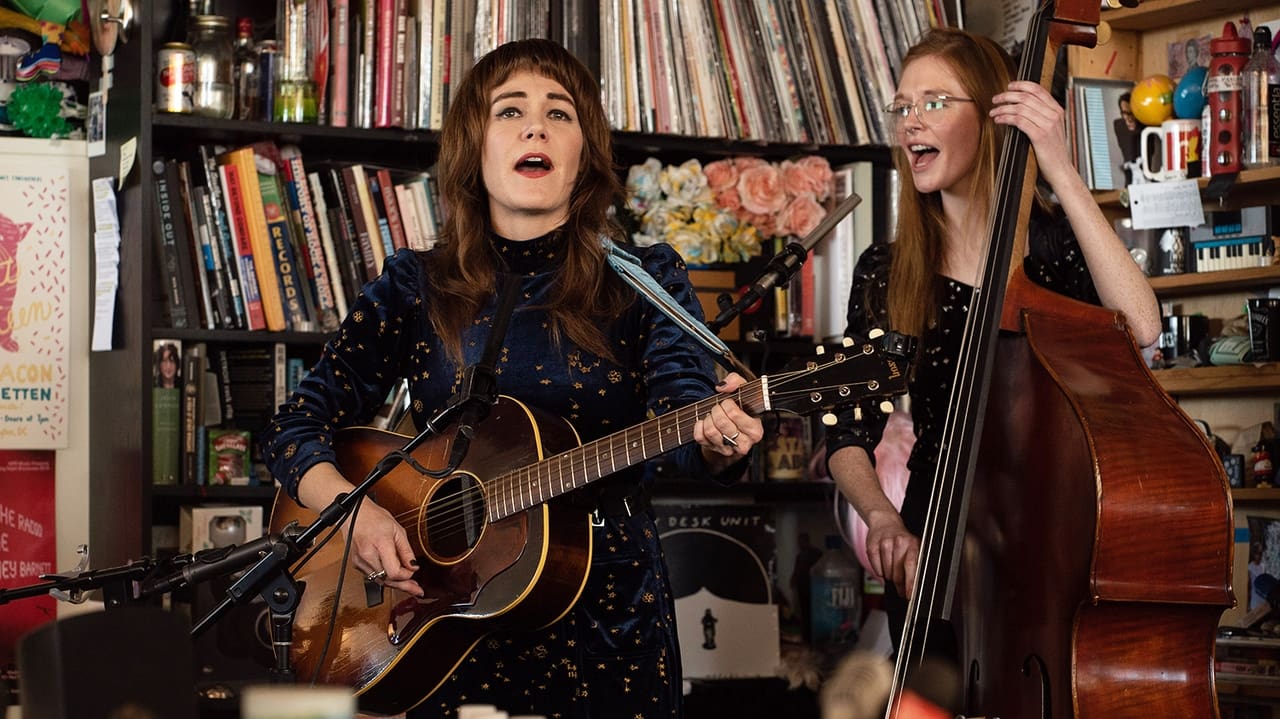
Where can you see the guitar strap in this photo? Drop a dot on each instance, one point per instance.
(480, 378)
(629, 268)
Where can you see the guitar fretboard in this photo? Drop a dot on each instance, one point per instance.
(534, 484)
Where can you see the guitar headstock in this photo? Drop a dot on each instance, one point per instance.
(845, 375)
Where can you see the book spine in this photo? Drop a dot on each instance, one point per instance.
(367, 61)
(224, 385)
(192, 413)
(219, 290)
(280, 364)
(223, 264)
(384, 62)
(180, 177)
(318, 38)
(346, 238)
(424, 25)
(380, 216)
(398, 62)
(289, 280)
(395, 219)
(299, 195)
(225, 247)
(440, 54)
(340, 49)
(259, 237)
(366, 227)
(250, 288)
(350, 270)
(331, 257)
(414, 238)
(166, 415)
(175, 304)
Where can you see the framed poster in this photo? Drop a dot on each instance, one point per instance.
(1104, 132)
(35, 213)
(28, 549)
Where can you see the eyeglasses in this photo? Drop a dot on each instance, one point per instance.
(927, 108)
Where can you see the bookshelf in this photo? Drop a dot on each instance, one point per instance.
(121, 412)
(1231, 399)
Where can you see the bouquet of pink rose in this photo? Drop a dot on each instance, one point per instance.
(722, 212)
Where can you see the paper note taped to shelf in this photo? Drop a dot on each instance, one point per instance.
(1154, 205)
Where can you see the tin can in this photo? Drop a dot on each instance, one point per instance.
(268, 69)
(175, 78)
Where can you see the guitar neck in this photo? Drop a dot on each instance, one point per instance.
(534, 484)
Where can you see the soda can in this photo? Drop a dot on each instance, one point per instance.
(175, 78)
(268, 68)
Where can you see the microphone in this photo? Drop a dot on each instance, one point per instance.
(783, 266)
(211, 563)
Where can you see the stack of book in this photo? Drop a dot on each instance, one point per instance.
(250, 238)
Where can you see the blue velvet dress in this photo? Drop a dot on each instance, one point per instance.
(615, 653)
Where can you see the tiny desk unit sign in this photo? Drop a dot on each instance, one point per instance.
(719, 558)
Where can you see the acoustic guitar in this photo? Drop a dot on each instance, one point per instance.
(497, 544)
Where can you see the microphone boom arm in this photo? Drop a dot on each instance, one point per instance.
(783, 266)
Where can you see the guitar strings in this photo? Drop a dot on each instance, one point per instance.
(510, 490)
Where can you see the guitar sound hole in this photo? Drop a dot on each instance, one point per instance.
(455, 517)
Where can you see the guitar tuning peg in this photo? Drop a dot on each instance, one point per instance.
(886, 406)
(876, 333)
(819, 350)
(829, 419)
(846, 342)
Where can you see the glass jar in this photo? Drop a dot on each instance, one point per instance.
(210, 38)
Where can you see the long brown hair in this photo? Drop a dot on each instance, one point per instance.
(983, 69)
(464, 276)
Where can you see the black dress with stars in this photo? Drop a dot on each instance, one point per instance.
(615, 653)
(1054, 261)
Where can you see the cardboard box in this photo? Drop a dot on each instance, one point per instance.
(709, 285)
(206, 527)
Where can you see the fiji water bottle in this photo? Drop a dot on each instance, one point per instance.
(835, 599)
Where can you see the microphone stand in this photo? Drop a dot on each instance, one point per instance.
(782, 267)
(273, 555)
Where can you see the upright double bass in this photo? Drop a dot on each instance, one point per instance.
(1079, 538)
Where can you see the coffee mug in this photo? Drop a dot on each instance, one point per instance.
(1179, 148)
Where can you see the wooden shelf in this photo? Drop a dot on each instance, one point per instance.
(1193, 283)
(191, 494)
(672, 147)
(1255, 494)
(242, 336)
(1229, 379)
(1241, 192)
(672, 489)
(1156, 14)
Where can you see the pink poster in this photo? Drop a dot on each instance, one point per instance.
(28, 546)
(35, 213)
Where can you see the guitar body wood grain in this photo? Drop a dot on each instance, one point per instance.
(520, 572)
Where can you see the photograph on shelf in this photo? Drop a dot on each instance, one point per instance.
(1106, 134)
(1256, 572)
(1188, 53)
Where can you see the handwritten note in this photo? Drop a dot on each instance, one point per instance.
(1155, 205)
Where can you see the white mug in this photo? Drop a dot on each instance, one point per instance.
(1180, 145)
